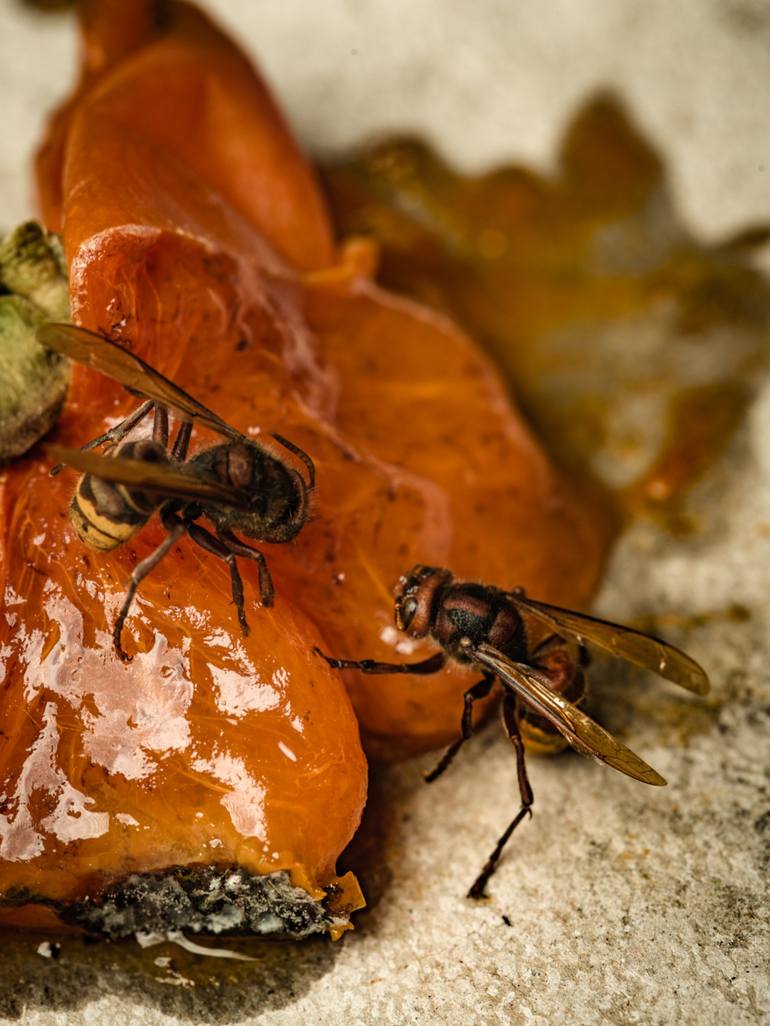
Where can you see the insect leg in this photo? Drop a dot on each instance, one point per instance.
(432, 664)
(266, 589)
(181, 442)
(479, 690)
(176, 529)
(510, 716)
(114, 435)
(301, 455)
(207, 541)
(160, 426)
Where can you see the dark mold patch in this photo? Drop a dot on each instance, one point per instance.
(204, 899)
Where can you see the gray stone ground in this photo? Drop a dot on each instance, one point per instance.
(626, 904)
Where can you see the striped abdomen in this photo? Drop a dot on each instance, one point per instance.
(104, 513)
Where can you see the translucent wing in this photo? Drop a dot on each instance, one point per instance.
(164, 479)
(584, 734)
(624, 642)
(138, 377)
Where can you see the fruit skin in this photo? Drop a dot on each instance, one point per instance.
(195, 117)
(205, 748)
(420, 457)
(208, 748)
(458, 481)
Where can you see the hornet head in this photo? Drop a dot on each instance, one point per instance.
(418, 595)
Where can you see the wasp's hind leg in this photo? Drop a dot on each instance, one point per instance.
(479, 690)
(114, 435)
(511, 722)
(176, 530)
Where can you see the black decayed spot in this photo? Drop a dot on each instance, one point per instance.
(204, 899)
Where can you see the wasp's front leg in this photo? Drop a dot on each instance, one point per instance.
(432, 664)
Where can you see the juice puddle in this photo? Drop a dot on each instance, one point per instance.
(632, 347)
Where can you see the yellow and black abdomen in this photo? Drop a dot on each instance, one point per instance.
(106, 514)
(539, 737)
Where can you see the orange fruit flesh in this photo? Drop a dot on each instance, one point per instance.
(177, 94)
(206, 747)
(209, 747)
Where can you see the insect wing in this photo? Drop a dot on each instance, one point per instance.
(165, 479)
(584, 734)
(624, 642)
(105, 356)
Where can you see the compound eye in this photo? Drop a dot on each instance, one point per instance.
(406, 613)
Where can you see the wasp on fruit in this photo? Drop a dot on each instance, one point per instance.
(238, 485)
(543, 684)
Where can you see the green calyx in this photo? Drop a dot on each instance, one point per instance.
(33, 381)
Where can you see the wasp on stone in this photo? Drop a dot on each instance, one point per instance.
(237, 485)
(543, 685)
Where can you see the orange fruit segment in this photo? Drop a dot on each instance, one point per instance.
(196, 236)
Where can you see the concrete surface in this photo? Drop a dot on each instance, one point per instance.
(622, 904)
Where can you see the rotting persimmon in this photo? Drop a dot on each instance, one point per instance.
(196, 236)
